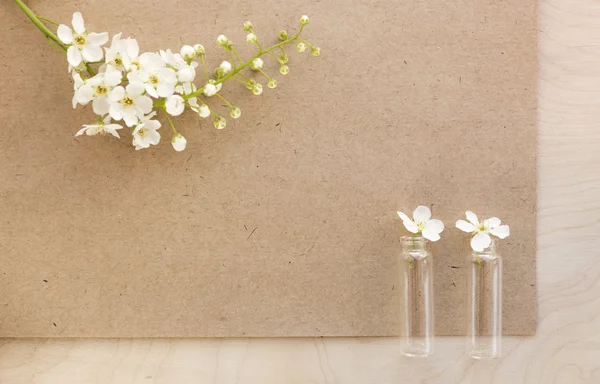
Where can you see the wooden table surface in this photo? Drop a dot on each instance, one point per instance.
(566, 349)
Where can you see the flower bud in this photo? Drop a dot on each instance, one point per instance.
(284, 69)
(284, 59)
(251, 38)
(222, 40)
(225, 66)
(178, 142)
(272, 83)
(301, 47)
(220, 123)
(316, 51)
(199, 48)
(247, 26)
(283, 35)
(210, 90)
(256, 64)
(258, 88)
(204, 111)
(250, 84)
(188, 53)
(229, 45)
(304, 20)
(235, 112)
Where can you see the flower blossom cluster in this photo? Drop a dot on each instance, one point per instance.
(127, 86)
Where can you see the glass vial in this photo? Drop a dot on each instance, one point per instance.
(484, 304)
(416, 268)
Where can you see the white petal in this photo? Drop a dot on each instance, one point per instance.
(501, 231)
(422, 214)
(84, 94)
(65, 34)
(73, 56)
(81, 131)
(434, 225)
(78, 24)
(403, 216)
(165, 89)
(144, 103)
(151, 90)
(112, 76)
(112, 129)
(430, 235)
(465, 226)
(133, 48)
(492, 222)
(92, 52)
(135, 88)
(130, 117)
(152, 136)
(472, 218)
(410, 226)
(116, 111)
(97, 38)
(117, 94)
(480, 242)
(186, 74)
(101, 105)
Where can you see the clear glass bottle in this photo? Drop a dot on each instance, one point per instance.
(416, 266)
(484, 304)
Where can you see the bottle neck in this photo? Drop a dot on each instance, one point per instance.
(487, 254)
(415, 245)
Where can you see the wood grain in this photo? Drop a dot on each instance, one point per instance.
(566, 349)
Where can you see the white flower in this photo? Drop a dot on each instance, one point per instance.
(97, 89)
(188, 53)
(304, 20)
(301, 47)
(178, 142)
(210, 90)
(145, 133)
(101, 128)
(284, 69)
(423, 223)
(481, 231)
(272, 83)
(175, 105)
(82, 45)
(158, 79)
(222, 40)
(185, 72)
(251, 38)
(129, 104)
(256, 64)
(225, 66)
(123, 53)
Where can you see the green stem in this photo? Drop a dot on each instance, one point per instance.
(47, 20)
(170, 121)
(226, 102)
(38, 23)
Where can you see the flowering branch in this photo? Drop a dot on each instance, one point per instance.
(124, 85)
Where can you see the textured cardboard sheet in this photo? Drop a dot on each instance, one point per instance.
(284, 223)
